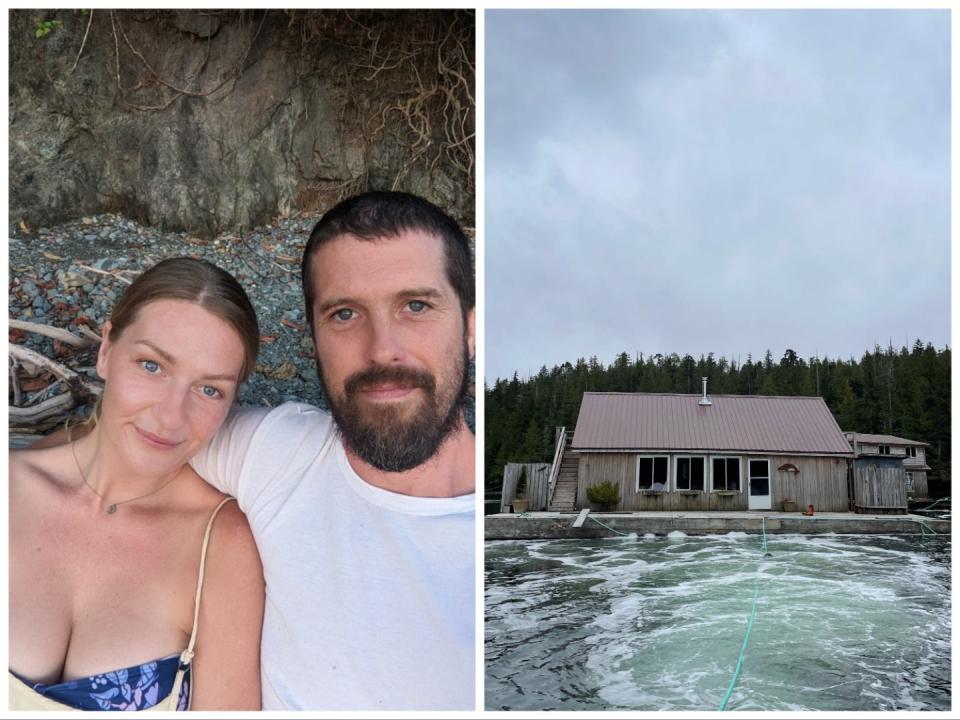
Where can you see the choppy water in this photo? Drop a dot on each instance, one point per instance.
(842, 623)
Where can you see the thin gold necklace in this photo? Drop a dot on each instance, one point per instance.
(112, 508)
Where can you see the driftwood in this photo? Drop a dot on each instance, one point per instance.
(64, 336)
(28, 357)
(35, 408)
(15, 383)
(115, 274)
(88, 333)
(51, 407)
(19, 441)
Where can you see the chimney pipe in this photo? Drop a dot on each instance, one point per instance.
(704, 400)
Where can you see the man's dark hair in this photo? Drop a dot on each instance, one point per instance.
(375, 215)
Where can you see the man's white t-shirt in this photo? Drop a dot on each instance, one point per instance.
(370, 594)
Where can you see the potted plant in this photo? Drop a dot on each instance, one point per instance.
(521, 502)
(604, 495)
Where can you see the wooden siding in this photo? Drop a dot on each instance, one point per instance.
(869, 449)
(920, 487)
(879, 486)
(821, 482)
(538, 477)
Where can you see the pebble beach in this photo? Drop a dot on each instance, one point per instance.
(71, 274)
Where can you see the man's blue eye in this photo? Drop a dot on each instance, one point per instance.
(150, 366)
(343, 314)
(210, 391)
(417, 306)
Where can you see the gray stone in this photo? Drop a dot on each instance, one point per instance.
(287, 134)
(203, 24)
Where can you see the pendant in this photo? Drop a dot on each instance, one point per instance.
(112, 509)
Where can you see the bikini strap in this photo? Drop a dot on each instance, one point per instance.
(187, 655)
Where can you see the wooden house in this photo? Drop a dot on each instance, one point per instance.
(696, 452)
(910, 454)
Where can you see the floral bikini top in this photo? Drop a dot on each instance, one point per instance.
(162, 684)
(140, 687)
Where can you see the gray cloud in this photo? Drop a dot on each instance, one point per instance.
(706, 181)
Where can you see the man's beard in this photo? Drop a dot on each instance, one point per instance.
(382, 436)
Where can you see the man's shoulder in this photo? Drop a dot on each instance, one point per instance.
(255, 443)
(297, 414)
(287, 421)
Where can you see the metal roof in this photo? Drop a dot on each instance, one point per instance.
(745, 423)
(885, 439)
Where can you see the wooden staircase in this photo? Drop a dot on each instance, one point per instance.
(565, 495)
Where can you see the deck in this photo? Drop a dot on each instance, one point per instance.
(554, 525)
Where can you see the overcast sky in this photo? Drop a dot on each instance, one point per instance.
(711, 181)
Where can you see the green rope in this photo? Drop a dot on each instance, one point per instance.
(935, 502)
(753, 615)
(743, 649)
(607, 526)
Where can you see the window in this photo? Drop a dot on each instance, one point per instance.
(909, 481)
(652, 472)
(911, 452)
(726, 473)
(690, 473)
(884, 449)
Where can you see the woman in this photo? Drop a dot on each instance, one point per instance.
(133, 583)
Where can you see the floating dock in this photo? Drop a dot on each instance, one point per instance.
(554, 525)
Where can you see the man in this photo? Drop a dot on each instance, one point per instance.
(365, 520)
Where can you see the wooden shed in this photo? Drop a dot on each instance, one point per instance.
(879, 485)
(537, 476)
(912, 454)
(723, 452)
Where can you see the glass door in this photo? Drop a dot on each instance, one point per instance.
(758, 482)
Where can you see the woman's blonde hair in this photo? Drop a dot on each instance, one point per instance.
(198, 282)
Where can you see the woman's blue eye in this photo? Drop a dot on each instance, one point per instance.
(210, 391)
(343, 314)
(150, 366)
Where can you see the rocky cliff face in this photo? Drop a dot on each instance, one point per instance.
(214, 120)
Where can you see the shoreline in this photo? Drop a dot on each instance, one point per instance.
(559, 526)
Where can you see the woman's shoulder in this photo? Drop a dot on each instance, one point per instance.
(205, 500)
(230, 524)
(233, 562)
(49, 469)
(229, 530)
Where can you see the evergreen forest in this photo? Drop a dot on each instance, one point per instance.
(904, 393)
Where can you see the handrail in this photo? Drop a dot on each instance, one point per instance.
(555, 467)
